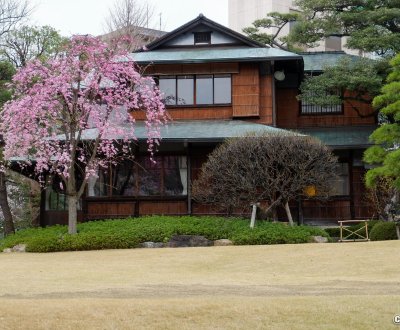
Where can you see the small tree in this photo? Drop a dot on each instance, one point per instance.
(385, 154)
(125, 22)
(25, 43)
(70, 115)
(274, 168)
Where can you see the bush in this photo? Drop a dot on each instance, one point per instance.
(383, 231)
(129, 233)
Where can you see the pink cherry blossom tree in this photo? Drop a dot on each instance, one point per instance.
(73, 113)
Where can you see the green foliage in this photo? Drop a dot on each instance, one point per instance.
(129, 233)
(370, 26)
(276, 233)
(386, 153)
(31, 42)
(275, 21)
(362, 79)
(383, 231)
(6, 72)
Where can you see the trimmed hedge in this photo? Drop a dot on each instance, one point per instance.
(129, 233)
(383, 231)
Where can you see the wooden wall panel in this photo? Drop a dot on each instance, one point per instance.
(288, 113)
(266, 106)
(198, 68)
(162, 207)
(51, 218)
(246, 91)
(193, 113)
(331, 211)
(110, 209)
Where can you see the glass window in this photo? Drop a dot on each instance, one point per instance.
(185, 90)
(341, 186)
(56, 199)
(124, 179)
(150, 176)
(99, 187)
(222, 89)
(167, 86)
(175, 176)
(204, 90)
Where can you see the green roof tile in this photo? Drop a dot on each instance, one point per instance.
(240, 54)
(319, 60)
(198, 130)
(342, 137)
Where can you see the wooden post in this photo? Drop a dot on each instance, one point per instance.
(253, 216)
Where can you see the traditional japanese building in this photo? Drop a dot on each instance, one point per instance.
(219, 84)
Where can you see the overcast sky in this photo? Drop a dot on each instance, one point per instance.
(87, 16)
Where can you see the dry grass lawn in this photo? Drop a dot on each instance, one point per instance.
(308, 286)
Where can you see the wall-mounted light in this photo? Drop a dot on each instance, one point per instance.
(279, 75)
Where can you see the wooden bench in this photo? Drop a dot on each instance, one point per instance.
(345, 232)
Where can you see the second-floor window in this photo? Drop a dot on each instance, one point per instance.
(196, 89)
(308, 108)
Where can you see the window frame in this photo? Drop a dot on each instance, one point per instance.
(202, 38)
(320, 110)
(195, 78)
(136, 167)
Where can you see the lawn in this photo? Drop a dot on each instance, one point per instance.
(302, 286)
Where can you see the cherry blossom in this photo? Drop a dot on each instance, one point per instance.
(88, 88)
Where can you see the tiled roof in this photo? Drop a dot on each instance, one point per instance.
(223, 54)
(198, 130)
(317, 61)
(342, 137)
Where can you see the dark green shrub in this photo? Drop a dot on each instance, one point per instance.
(383, 231)
(129, 233)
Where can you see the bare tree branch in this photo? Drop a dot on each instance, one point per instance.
(11, 13)
(273, 168)
(129, 20)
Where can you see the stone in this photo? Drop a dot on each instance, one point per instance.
(223, 242)
(188, 241)
(319, 239)
(151, 245)
(19, 248)
(7, 250)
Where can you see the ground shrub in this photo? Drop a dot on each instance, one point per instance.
(129, 233)
(385, 230)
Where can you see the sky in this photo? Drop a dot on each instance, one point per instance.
(87, 16)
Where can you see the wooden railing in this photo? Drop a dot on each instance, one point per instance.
(360, 234)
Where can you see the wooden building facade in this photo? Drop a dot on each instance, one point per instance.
(219, 84)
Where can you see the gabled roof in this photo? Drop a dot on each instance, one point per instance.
(202, 20)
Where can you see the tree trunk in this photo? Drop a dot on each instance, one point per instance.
(72, 214)
(289, 214)
(5, 207)
(72, 202)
